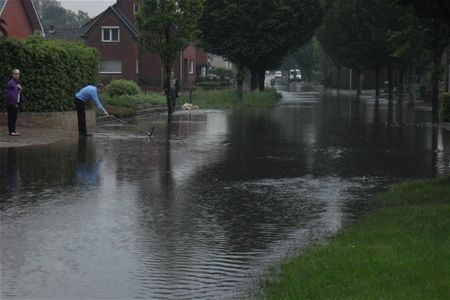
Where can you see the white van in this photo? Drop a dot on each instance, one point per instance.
(291, 75)
(298, 75)
(278, 74)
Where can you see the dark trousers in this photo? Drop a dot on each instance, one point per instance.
(80, 105)
(12, 117)
(173, 97)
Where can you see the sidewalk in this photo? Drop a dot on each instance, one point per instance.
(33, 136)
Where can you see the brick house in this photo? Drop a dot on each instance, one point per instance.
(114, 33)
(21, 17)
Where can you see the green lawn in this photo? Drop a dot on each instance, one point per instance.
(401, 250)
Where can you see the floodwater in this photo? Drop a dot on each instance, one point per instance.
(208, 204)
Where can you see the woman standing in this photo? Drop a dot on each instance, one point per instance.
(12, 100)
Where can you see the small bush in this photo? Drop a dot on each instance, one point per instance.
(445, 107)
(122, 87)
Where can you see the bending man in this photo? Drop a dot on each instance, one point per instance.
(88, 93)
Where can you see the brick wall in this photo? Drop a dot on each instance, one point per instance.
(57, 120)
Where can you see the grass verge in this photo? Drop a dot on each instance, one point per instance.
(227, 98)
(399, 251)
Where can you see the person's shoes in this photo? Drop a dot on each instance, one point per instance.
(17, 133)
(13, 134)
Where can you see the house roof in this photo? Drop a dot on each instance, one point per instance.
(132, 26)
(65, 33)
(33, 15)
(2, 5)
(91, 24)
(30, 10)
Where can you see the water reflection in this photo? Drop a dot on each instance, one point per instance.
(211, 201)
(12, 173)
(87, 170)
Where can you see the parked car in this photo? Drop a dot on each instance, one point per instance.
(278, 74)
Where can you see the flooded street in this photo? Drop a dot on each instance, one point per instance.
(209, 203)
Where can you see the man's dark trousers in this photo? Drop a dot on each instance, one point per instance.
(81, 114)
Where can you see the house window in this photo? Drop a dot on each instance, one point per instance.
(111, 67)
(191, 67)
(136, 8)
(110, 34)
(137, 66)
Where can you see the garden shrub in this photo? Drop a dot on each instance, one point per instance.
(445, 107)
(51, 71)
(135, 101)
(122, 87)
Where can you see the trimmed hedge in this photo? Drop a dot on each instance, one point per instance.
(445, 107)
(122, 87)
(51, 71)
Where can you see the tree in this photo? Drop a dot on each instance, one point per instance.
(436, 9)
(355, 33)
(306, 58)
(52, 13)
(167, 27)
(3, 31)
(435, 16)
(259, 33)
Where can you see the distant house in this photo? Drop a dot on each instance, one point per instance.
(217, 61)
(21, 17)
(114, 33)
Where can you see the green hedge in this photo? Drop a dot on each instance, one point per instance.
(445, 107)
(122, 87)
(51, 71)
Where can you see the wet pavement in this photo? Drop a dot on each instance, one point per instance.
(208, 204)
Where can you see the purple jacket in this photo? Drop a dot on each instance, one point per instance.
(11, 92)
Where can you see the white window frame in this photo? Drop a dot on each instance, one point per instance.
(110, 33)
(191, 66)
(113, 72)
(136, 8)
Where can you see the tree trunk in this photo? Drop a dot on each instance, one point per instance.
(253, 79)
(390, 83)
(168, 69)
(358, 88)
(435, 89)
(377, 82)
(447, 70)
(400, 83)
(261, 79)
(411, 84)
(240, 80)
(339, 78)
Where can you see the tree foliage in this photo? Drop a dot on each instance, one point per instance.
(436, 9)
(258, 34)
(52, 13)
(356, 33)
(167, 27)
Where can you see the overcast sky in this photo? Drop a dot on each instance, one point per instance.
(92, 7)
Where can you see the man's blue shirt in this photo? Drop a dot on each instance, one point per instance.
(90, 93)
